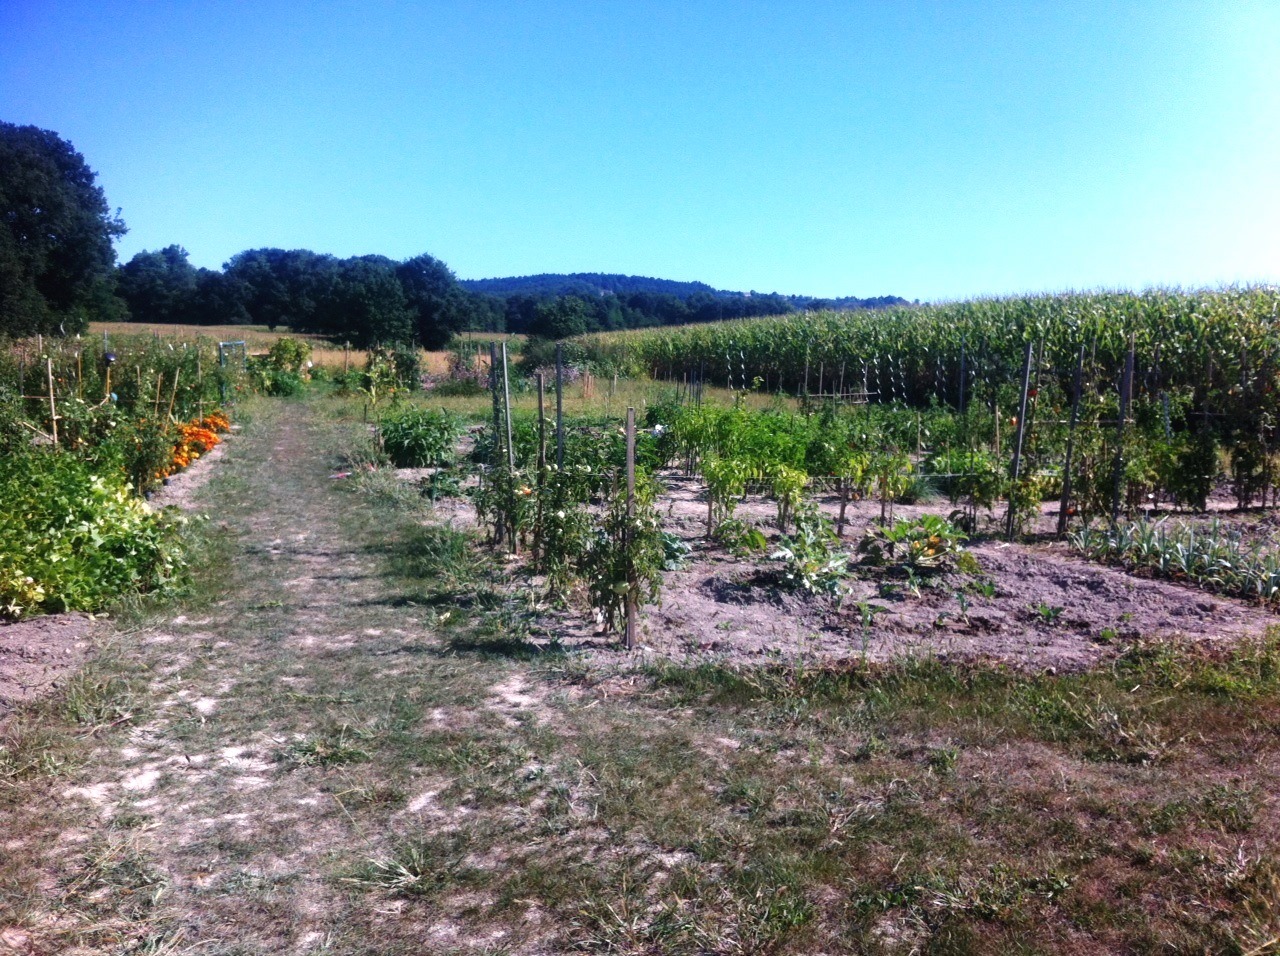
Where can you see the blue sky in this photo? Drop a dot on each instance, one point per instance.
(930, 150)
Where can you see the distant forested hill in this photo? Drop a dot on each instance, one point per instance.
(584, 283)
(552, 285)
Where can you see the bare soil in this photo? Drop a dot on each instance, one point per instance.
(1050, 609)
(36, 655)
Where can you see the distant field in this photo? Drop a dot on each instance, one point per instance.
(254, 336)
(258, 338)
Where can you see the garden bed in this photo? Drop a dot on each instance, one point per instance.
(1031, 606)
(38, 653)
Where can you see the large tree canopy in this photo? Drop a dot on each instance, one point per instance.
(158, 286)
(440, 307)
(56, 233)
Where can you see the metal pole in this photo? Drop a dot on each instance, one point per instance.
(1126, 391)
(630, 631)
(1065, 502)
(1016, 469)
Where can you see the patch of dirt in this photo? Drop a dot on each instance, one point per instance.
(1033, 607)
(36, 655)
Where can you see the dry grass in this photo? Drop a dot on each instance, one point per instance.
(255, 337)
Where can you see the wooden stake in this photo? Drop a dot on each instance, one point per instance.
(1126, 394)
(542, 428)
(541, 476)
(500, 519)
(506, 409)
(559, 406)
(173, 394)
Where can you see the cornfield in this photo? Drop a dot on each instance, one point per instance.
(1220, 346)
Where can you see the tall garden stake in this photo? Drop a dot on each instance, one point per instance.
(53, 406)
(559, 406)
(1126, 395)
(500, 519)
(1015, 471)
(511, 449)
(629, 638)
(1065, 501)
(542, 466)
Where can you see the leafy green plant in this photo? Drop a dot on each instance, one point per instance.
(891, 476)
(675, 551)
(928, 543)
(809, 559)
(967, 476)
(1049, 613)
(740, 537)
(279, 371)
(1214, 558)
(625, 554)
(726, 480)
(419, 437)
(562, 531)
(81, 538)
(787, 486)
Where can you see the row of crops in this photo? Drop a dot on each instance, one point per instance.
(1221, 344)
(1154, 394)
(88, 428)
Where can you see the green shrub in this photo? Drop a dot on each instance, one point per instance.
(80, 538)
(929, 543)
(419, 438)
(288, 355)
(810, 561)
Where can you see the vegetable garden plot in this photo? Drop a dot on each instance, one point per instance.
(1127, 400)
(1032, 607)
(87, 428)
(772, 579)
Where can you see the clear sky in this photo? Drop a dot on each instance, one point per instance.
(930, 150)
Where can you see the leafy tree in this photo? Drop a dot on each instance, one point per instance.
(159, 286)
(219, 299)
(284, 286)
(562, 317)
(56, 234)
(364, 302)
(440, 307)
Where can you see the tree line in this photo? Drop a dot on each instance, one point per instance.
(58, 270)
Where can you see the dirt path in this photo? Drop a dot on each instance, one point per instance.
(214, 819)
